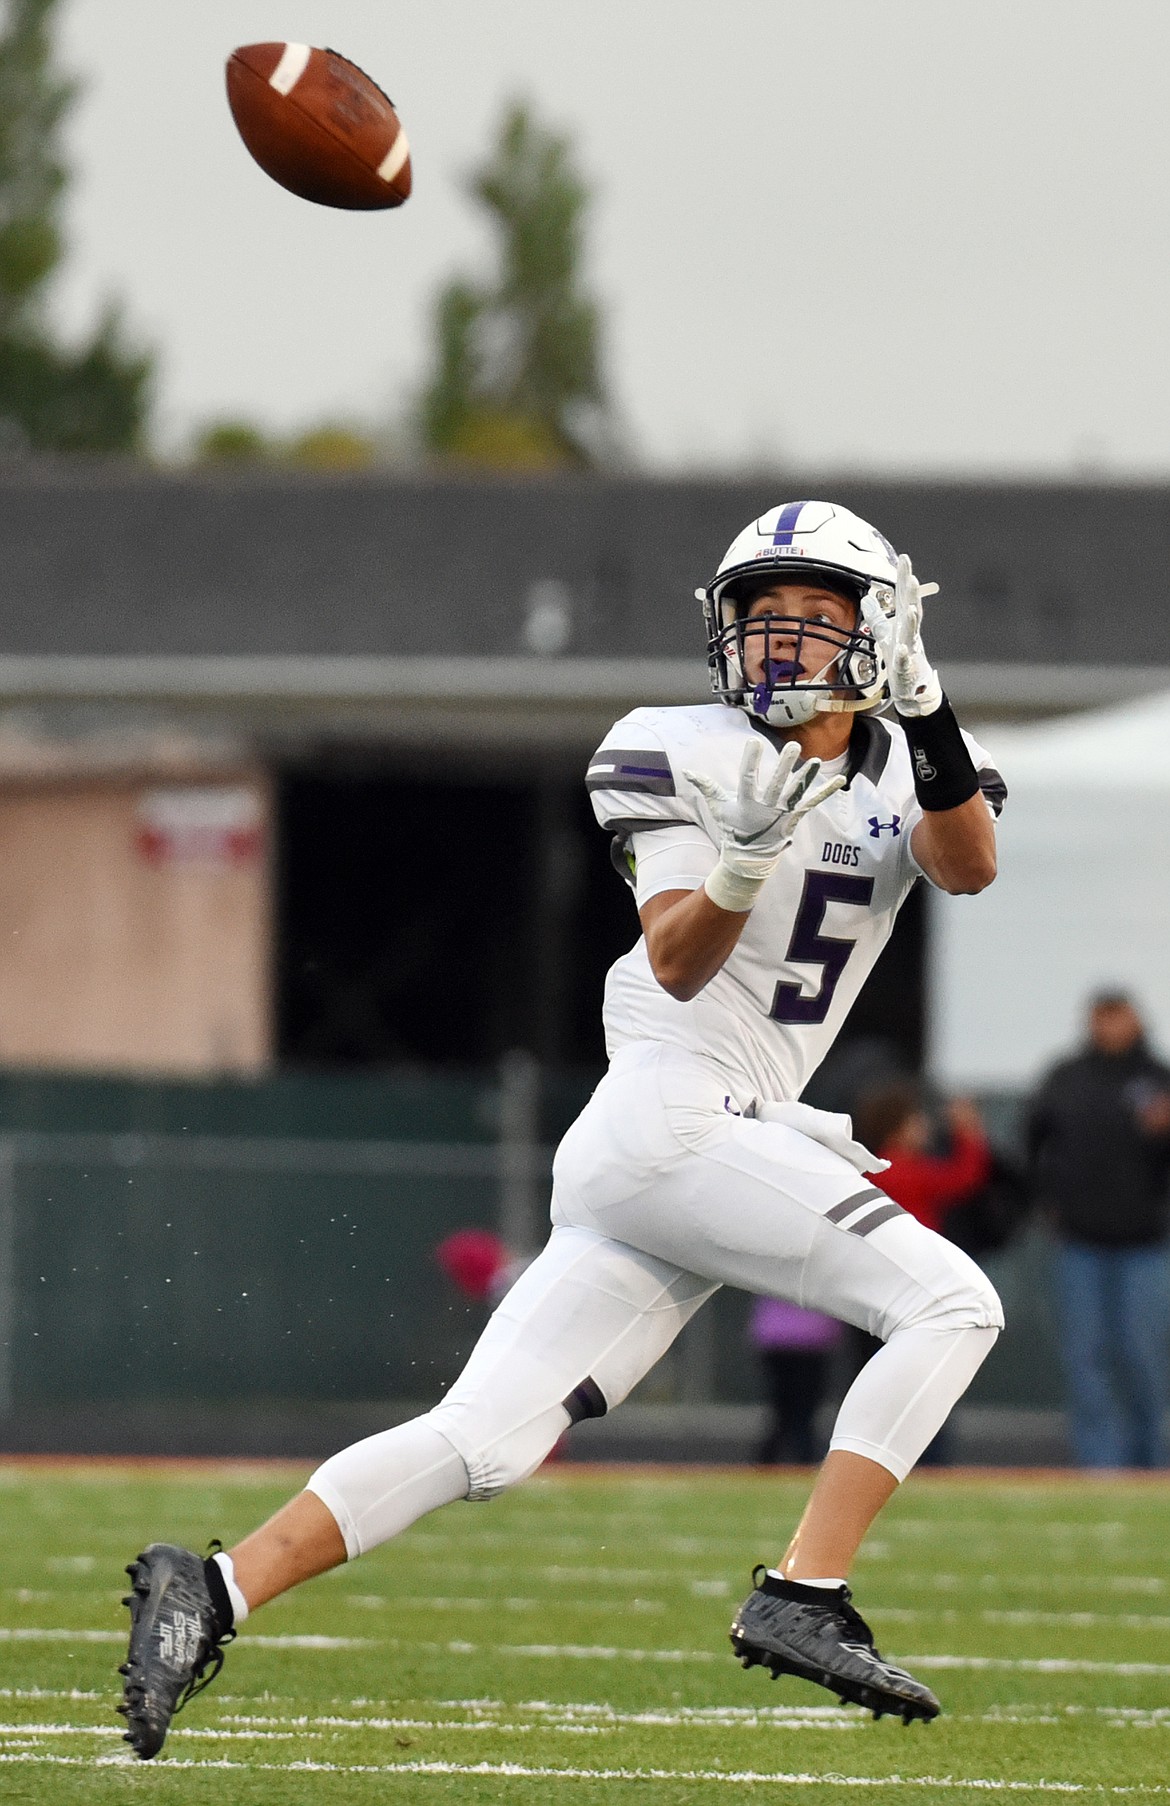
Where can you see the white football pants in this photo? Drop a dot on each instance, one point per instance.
(662, 1192)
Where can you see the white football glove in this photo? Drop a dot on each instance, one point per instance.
(758, 822)
(832, 1131)
(897, 634)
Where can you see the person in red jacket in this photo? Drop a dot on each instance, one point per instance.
(893, 1121)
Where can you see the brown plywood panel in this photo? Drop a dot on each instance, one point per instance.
(135, 926)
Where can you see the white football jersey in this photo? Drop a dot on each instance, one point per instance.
(769, 1016)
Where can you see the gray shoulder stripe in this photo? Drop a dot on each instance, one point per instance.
(875, 1218)
(657, 786)
(848, 1205)
(646, 824)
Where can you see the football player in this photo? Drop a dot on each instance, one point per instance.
(770, 837)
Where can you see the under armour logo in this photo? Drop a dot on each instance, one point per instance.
(878, 828)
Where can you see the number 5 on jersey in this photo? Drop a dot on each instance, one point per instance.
(809, 946)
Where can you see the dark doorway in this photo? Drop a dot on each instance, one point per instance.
(441, 917)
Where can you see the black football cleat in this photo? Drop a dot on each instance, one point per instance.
(815, 1633)
(174, 1640)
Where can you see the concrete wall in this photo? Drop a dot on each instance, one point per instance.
(135, 918)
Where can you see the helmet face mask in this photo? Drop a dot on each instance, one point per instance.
(841, 663)
(816, 667)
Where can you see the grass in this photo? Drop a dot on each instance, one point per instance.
(568, 1644)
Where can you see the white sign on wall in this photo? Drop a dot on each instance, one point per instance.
(209, 824)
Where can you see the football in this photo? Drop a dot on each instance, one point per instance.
(319, 126)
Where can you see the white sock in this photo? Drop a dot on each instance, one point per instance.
(775, 1574)
(223, 1562)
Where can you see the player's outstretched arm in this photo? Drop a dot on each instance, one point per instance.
(689, 934)
(954, 843)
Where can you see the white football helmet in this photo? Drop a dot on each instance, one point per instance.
(815, 543)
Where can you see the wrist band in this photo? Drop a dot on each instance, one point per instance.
(731, 890)
(944, 772)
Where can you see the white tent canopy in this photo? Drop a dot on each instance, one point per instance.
(1082, 901)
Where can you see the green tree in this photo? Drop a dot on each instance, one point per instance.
(516, 378)
(231, 441)
(330, 445)
(92, 397)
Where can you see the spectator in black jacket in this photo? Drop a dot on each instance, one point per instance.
(1099, 1149)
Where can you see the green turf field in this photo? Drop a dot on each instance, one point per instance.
(568, 1643)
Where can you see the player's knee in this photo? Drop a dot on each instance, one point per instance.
(991, 1306)
(496, 1455)
(978, 1302)
(969, 1302)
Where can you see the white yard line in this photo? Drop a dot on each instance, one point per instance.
(899, 1614)
(600, 1652)
(586, 1724)
(51, 1693)
(1038, 1665)
(519, 1771)
(33, 1634)
(483, 1603)
(582, 1720)
(1119, 1620)
(943, 1582)
(101, 1730)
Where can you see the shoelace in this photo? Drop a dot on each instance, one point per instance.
(200, 1679)
(215, 1647)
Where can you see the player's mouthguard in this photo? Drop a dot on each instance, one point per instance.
(778, 673)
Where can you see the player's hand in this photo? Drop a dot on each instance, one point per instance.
(758, 822)
(832, 1131)
(897, 634)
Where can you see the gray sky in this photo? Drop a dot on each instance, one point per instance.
(921, 235)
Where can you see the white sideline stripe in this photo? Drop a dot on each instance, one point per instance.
(520, 1772)
(294, 60)
(395, 157)
(32, 1635)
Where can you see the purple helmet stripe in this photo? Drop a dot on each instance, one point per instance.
(786, 523)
